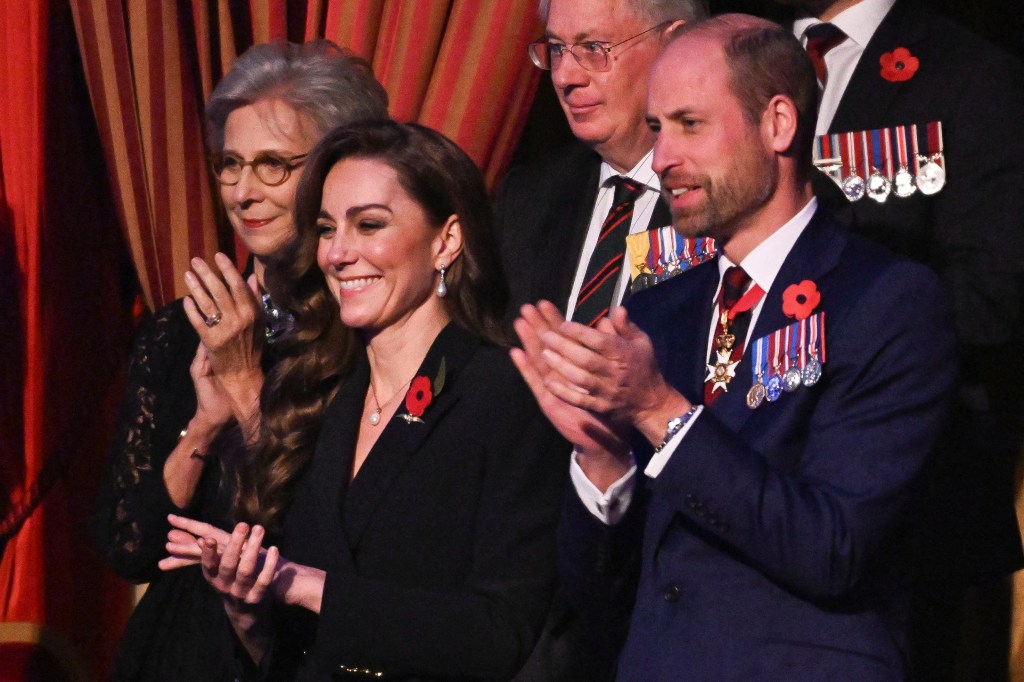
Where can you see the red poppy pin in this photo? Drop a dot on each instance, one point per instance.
(800, 300)
(899, 65)
(421, 394)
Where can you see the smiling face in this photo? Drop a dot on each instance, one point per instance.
(378, 250)
(260, 214)
(716, 170)
(605, 109)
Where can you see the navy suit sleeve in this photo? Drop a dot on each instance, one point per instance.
(817, 515)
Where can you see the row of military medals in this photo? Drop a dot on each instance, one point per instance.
(787, 359)
(661, 253)
(878, 163)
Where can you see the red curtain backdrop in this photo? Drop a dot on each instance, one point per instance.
(458, 66)
(63, 334)
(103, 172)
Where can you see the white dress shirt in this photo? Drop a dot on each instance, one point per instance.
(642, 174)
(859, 23)
(762, 264)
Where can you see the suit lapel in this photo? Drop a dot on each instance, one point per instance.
(400, 440)
(569, 223)
(814, 254)
(868, 96)
(686, 330)
(661, 216)
(324, 484)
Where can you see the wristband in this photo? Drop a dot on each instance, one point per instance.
(674, 426)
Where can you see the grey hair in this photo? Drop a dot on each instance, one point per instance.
(654, 11)
(327, 84)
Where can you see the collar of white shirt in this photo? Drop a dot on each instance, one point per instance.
(641, 173)
(765, 260)
(859, 22)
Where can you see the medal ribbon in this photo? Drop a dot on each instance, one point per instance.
(887, 152)
(819, 335)
(901, 144)
(878, 161)
(864, 162)
(848, 153)
(654, 252)
(935, 143)
(917, 152)
(792, 338)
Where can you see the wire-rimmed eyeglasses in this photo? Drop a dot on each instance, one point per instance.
(592, 55)
(271, 169)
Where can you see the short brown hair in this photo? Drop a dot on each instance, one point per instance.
(765, 60)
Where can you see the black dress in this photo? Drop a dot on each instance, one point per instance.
(179, 630)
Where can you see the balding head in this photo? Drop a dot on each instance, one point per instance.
(764, 61)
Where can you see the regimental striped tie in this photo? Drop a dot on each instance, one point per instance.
(605, 264)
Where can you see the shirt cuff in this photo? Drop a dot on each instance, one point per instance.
(609, 506)
(661, 457)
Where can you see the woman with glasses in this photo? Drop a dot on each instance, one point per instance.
(403, 467)
(196, 370)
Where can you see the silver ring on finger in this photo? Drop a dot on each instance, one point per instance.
(212, 320)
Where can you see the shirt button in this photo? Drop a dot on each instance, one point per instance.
(672, 594)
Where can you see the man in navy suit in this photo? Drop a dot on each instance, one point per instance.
(792, 391)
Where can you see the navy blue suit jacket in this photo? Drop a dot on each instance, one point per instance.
(773, 540)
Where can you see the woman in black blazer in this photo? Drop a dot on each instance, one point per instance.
(411, 477)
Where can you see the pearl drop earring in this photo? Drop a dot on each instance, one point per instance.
(442, 287)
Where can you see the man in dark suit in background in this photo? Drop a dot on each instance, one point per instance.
(886, 63)
(552, 214)
(769, 524)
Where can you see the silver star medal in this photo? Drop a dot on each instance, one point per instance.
(722, 372)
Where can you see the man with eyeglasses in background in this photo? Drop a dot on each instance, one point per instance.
(563, 218)
(551, 214)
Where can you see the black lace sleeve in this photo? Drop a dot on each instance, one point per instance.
(131, 517)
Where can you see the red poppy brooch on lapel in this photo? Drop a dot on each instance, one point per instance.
(421, 394)
(899, 65)
(800, 300)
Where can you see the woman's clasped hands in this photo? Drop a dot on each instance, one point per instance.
(235, 564)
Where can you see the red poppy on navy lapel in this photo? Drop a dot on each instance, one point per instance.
(800, 300)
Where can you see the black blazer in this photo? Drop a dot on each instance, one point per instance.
(972, 234)
(440, 553)
(542, 213)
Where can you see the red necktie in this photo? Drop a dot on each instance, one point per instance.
(734, 283)
(598, 290)
(820, 39)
